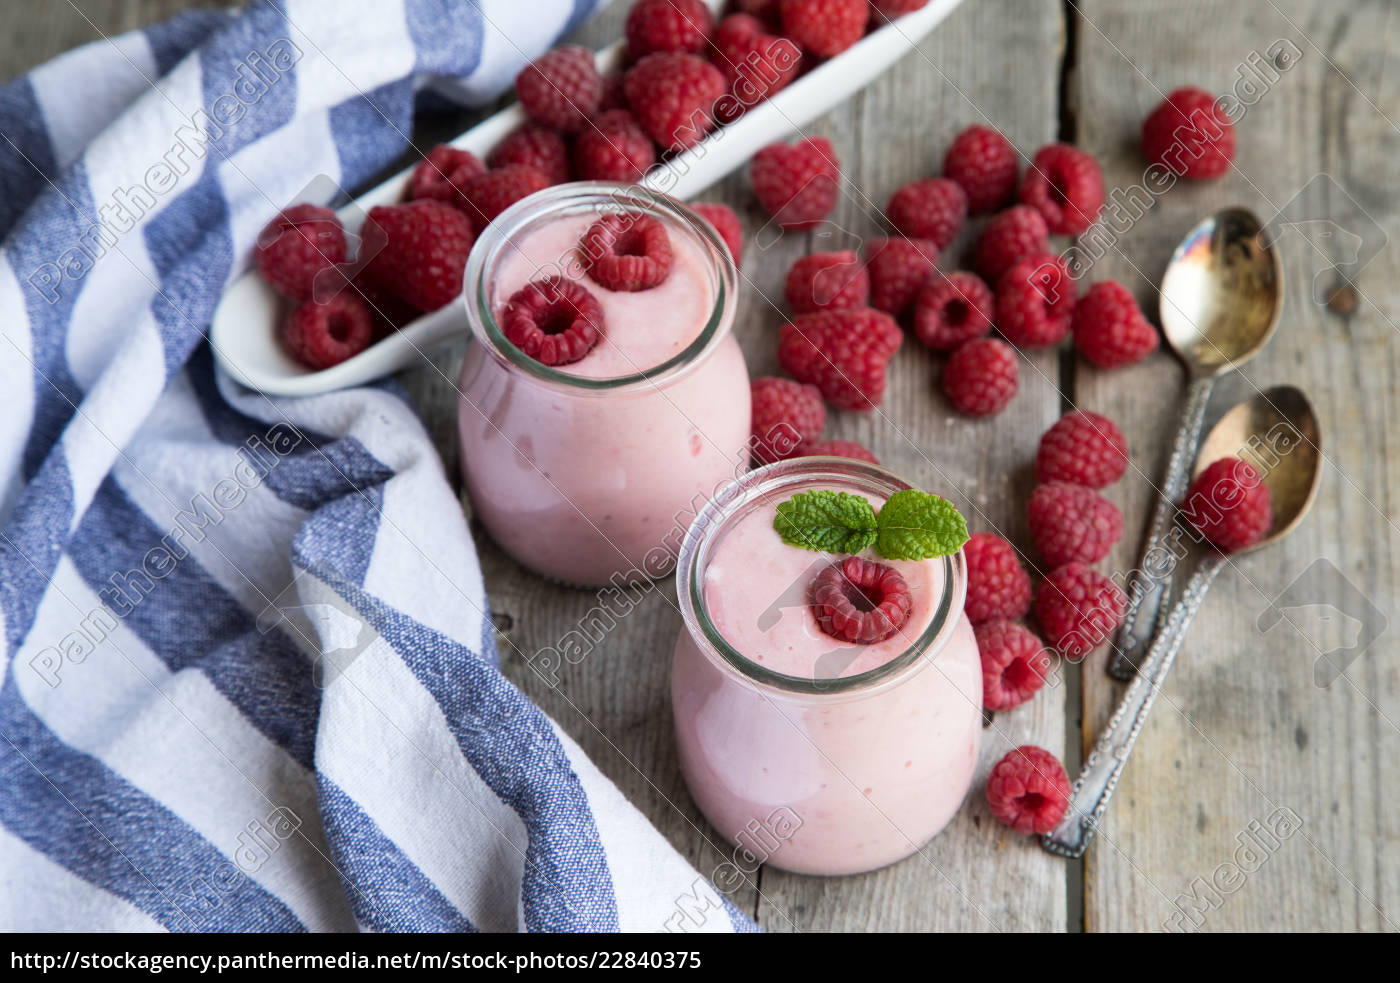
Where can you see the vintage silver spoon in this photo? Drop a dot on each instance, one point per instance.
(1277, 432)
(1221, 298)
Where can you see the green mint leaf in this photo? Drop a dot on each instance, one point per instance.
(826, 520)
(915, 525)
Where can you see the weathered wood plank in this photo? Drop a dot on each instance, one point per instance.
(1241, 730)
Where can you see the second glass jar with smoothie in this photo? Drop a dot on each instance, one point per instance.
(589, 472)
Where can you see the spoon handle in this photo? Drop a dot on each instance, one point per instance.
(1151, 580)
(1099, 777)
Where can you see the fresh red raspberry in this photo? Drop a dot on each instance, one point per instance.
(1011, 236)
(1229, 504)
(843, 352)
(726, 223)
(561, 88)
(423, 248)
(1109, 329)
(984, 164)
(932, 209)
(627, 252)
(1071, 522)
(860, 601)
(819, 281)
(835, 448)
(613, 147)
(824, 27)
(1028, 790)
(539, 147)
(953, 309)
(896, 8)
(998, 587)
(1035, 302)
(1066, 186)
(756, 64)
(554, 320)
(673, 96)
(1015, 663)
(981, 377)
(1189, 135)
(1082, 448)
(668, 25)
(614, 96)
(898, 269)
(487, 195)
(785, 414)
(1078, 609)
(442, 172)
(797, 185)
(297, 246)
(387, 311)
(321, 335)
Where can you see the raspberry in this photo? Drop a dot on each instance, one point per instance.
(824, 27)
(613, 148)
(756, 64)
(1066, 186)
(984, 165)
(981, 377)
(860, 601)
(539, 147)
(835, 448)
(667, 25)
(898, 269)
(1229, 504)
(843, 352)
(673, 96)
(1189, 135)
(1015, 663)
(820, 281)
(487, 195)
(442, 172)
(953, 309)
(295, 247)
(387, 312)
(1109, 329)
(1078, 609)
(765, 11)
(613, 96)
(932, 209)
(797, 185)
(1071, 522)
(1083, 448)
(627, 252)
(785, 414)
(726, 223)
(1011, 236)
(896, 8)
(998, 587)
(1028, 790)
(561, 88)
(321, 335)
(424, 251)
(555, 321)
(1035, 302)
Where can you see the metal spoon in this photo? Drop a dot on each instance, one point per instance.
(1276, 432)
(1221, 298)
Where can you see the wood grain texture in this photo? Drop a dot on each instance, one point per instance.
(1241, 730)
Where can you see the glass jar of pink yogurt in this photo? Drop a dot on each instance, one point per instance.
(838, 758)
(590, 472)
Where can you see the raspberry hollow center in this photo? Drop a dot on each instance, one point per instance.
(860, 601)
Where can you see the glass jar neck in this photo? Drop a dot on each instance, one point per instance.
(775, 483)
(502, 236)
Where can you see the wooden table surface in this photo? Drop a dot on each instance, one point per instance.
(1242, 735)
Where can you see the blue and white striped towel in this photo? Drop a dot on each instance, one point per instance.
(169, 759)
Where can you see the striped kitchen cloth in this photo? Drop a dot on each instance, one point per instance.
(250, 678)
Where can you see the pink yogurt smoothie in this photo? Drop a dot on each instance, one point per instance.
(581, 477)
(873, 770)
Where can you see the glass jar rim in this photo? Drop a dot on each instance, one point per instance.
(731, 502)
(509, 225)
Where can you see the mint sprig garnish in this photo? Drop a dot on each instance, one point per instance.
(828, 521)
(912, 525)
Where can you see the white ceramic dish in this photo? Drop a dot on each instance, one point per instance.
(243, 329)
